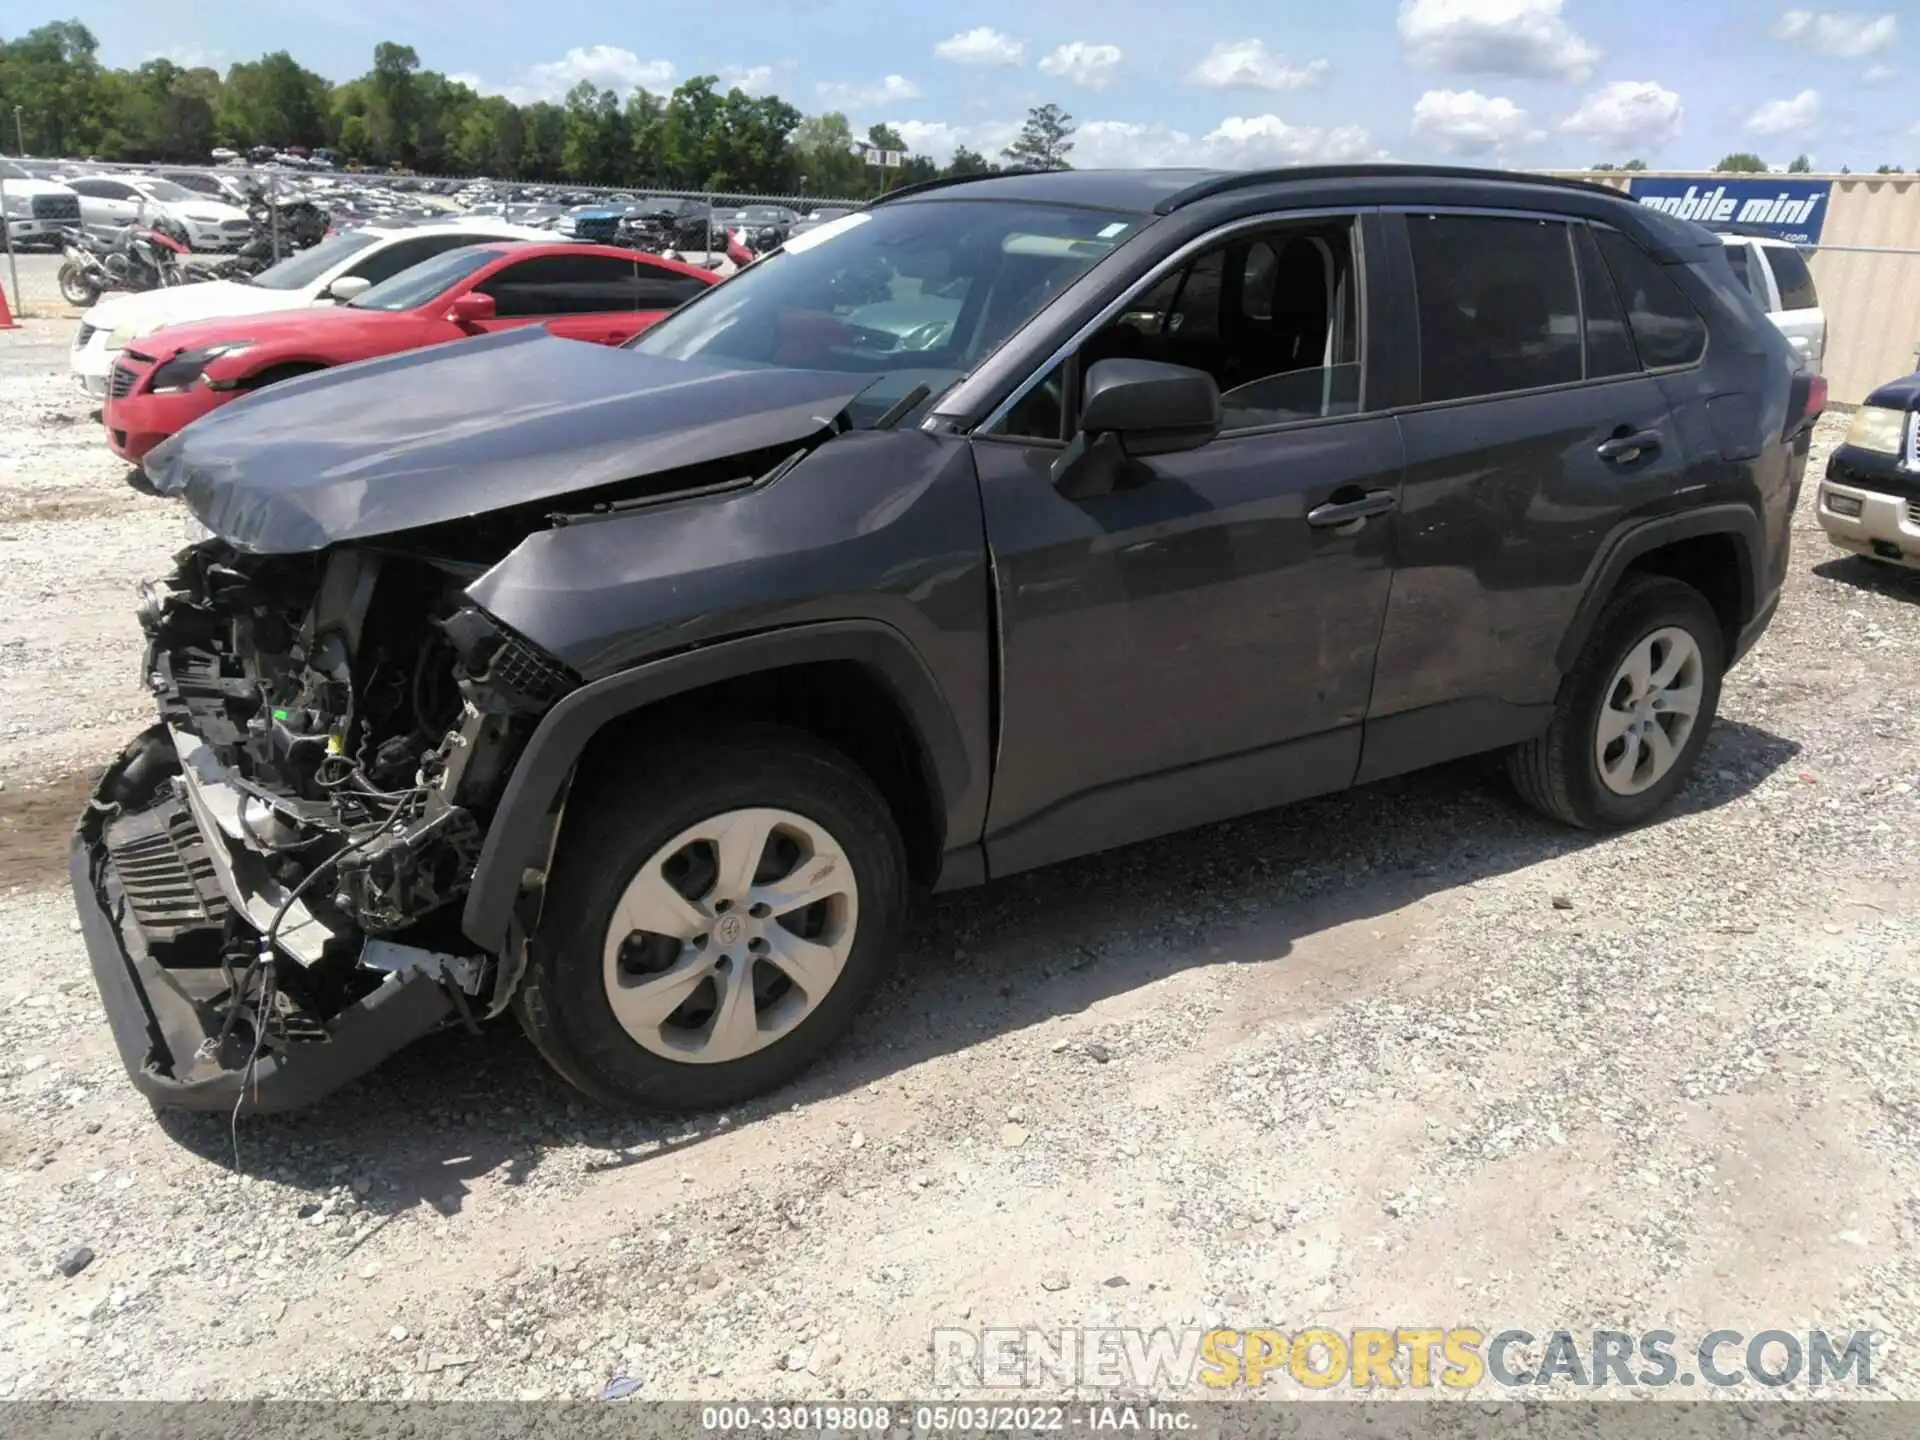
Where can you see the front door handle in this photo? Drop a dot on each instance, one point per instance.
(1629, 448)
(1337, 513)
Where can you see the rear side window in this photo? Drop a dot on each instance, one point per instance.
(1667, 330)
(1790, 273)
(1609, 348)
(1499, 305)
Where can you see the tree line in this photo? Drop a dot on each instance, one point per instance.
(398, 115)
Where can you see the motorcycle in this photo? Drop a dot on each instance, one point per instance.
(294, 224)
(144, 255)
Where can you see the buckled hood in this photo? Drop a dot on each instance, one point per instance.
(453, 431)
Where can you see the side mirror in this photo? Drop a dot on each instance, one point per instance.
(471, 308)
(349, 287)
(1132, 409)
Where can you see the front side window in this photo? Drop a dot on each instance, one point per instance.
(1272, 315)
(414, 287)
(911, 293)
(1667, 330)
(1499, 305)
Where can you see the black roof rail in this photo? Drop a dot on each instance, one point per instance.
(1246, 179)
(942, 182)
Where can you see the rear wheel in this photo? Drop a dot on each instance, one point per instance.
(75, 288)
(1633, 714)
(716, 916)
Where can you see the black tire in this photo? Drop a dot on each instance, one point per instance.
(1558, 773)
(614, 824)
(74, 288)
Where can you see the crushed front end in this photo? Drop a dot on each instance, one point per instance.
(269, 878)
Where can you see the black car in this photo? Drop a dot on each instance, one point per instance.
(1008, 520)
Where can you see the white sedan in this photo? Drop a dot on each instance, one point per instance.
(108, 202)
(338, 268)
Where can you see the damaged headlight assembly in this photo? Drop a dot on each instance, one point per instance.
(185, 370)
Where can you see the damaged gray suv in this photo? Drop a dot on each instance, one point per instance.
(636, 690)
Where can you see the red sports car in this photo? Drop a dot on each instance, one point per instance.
(582, 292)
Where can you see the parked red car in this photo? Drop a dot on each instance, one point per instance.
(582, 292)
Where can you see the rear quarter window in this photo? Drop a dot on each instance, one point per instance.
(1667, 330)
(1795, 280)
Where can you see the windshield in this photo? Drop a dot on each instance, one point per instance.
(11, 171)
(296, 272)
(412, 288)
(166, 191)
(918, 293)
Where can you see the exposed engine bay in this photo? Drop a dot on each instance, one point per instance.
(295, 833)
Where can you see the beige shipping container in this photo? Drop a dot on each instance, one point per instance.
(1867, 269)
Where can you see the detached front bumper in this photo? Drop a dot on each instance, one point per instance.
(167, 1038)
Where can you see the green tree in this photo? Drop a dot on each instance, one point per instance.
(53, 74)
(968, 162)
(1634, 165)
(1741, 162)
(393, 113)
(273, 101)
(1800, 165)
(543, 128)
(823, 150)
(597, 147)
(1889, 170)
(1044, 141)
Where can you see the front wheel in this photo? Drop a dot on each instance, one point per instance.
(1633, 714)
(716, 915)
(75, 288)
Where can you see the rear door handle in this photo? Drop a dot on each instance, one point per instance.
(1336, 513)
(1628, 448)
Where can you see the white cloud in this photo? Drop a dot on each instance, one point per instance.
(189, 57)
(1495, 37)
(1089, 66)
(982, 46)
(938, 138)
(472, 81)
(1878, 74)
(753, 79)
(1786, 117)
(890, 90)
(1845, 34)
(1465, 122)
(1238, 142)
(1628, 116)
(609, 67)
(1248, 65)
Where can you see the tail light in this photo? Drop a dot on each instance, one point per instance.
(1806, 403)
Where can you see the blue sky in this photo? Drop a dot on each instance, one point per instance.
(1522, 82)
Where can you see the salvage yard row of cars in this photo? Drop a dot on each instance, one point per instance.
(635, 687)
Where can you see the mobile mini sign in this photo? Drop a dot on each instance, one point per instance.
(1787, 209)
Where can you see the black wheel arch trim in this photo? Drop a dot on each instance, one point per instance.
(514, 839)
(1739, 522)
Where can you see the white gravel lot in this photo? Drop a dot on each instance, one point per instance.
(1407, 1056)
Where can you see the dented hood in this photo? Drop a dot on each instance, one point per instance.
(457, 430)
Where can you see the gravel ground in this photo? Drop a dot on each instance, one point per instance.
(1404, 1056)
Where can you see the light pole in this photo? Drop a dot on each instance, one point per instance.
(19, 135)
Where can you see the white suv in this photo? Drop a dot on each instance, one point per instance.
(1776, 273)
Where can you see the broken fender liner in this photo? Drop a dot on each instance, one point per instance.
(154, 1025)
(452, 431)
